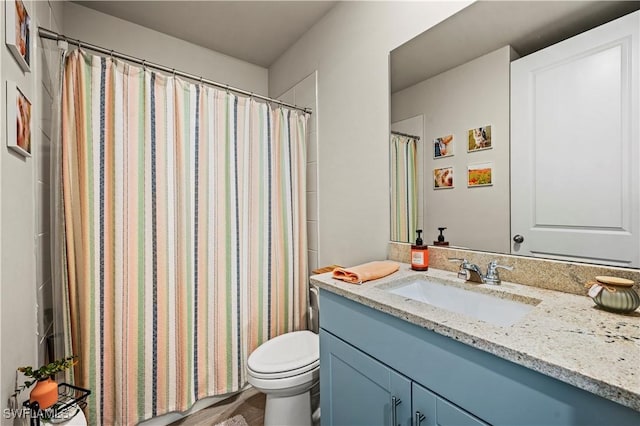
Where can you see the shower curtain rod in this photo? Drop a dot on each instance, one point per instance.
(406, 134)
(52, 35)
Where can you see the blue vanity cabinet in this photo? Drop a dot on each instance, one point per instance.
(367, 357)
(359, 390)
(363, 391)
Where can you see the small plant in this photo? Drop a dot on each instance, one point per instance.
(46, 371)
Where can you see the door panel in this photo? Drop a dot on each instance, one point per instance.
(574, 147)
(438, 411)
(424, 402)
(356, 389)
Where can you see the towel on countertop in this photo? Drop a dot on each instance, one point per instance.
(366, 271)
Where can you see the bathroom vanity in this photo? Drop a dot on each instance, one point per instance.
(386, 358)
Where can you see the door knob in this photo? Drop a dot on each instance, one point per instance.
(518, 238)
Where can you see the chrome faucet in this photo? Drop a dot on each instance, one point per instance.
(474, 274)
(468, 271)
(492, 276)
(471, 272)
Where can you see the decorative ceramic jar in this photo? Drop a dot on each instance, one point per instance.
(614, 294)
(45, 393)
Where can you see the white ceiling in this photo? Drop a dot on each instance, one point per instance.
(254, 31)
(259, 32)
(486, 26)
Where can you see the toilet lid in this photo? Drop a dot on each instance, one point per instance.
(289, 351)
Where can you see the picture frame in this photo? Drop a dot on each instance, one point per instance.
(479, 139)
(480, 174)
(19, 120)
(443, 146)
(443, 178)
(18, 32)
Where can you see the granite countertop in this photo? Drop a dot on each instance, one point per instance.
(565, 336)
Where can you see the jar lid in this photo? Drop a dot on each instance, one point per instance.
(621, 282)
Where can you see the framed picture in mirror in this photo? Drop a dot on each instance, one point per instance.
(443, 178)
(443, 146)
(480, 175)
(479, 138)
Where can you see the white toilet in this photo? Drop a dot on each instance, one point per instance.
(285, 368)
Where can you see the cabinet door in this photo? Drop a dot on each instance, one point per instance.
(575, 180)
(355, 389)
(431, 410)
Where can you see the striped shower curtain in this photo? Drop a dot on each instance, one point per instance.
(404, 188)
(184, 222)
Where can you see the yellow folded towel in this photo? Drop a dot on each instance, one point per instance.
(366, 271)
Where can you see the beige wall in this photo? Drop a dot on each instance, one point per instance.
(135, 40)
(472, 95)
(24, 212)
(350, 48)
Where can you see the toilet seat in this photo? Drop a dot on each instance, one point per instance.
(284, 374)
(287, 355)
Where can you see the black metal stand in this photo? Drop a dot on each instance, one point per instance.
(69, 398)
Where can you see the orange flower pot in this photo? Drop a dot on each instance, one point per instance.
(45, 393)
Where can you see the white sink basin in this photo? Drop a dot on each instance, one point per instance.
(492, 309)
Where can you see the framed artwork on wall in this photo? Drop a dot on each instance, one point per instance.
(480, 175)
(479, 139)
(18, 32)
(443, 178)
(18, 120)
(443, 147)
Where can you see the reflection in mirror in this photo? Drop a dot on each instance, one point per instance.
(406, 177)
(456, 78)
(404, 190)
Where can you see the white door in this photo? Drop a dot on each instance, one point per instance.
(575, 158)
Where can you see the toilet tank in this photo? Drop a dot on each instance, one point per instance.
(314, 309)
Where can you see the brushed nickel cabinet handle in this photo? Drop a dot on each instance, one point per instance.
(394, 410)
(419, 418)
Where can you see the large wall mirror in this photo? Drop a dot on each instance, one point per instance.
(451, 89)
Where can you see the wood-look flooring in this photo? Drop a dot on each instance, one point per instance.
(249, 403)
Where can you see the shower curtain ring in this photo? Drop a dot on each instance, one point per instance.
(200, 79)
(144, 64)
(63, 44)
(227, 89)
(111, 54)
(173, 71)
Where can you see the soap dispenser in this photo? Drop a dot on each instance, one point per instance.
(419, 254)
(441, 241)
